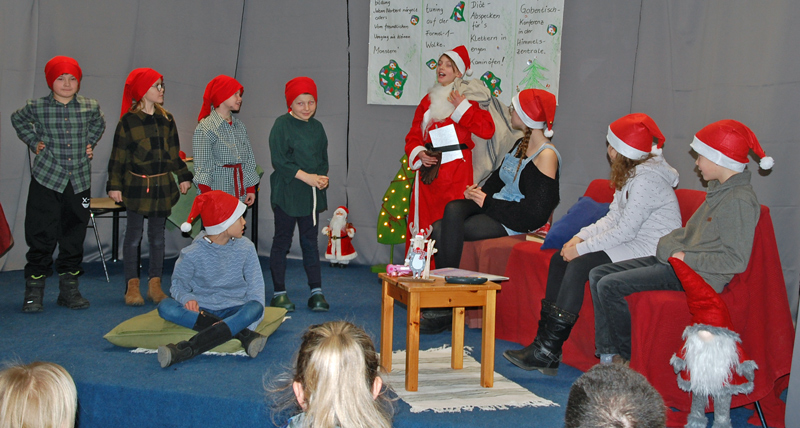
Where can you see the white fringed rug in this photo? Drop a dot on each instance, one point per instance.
(443, 389)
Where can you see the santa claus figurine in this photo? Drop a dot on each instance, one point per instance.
(340, 236)
(711, 362)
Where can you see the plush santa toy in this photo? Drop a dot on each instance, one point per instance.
(711, 362)
(340, 235)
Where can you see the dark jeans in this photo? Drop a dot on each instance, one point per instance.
(282, 243)
(566, 280)
(237, 318)
(610, 284)
(55, 218)
(463, 221)
(133, 237)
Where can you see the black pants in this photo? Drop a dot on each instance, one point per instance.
(566, 281)
(463, 221)
(55, 218)
(282, 243)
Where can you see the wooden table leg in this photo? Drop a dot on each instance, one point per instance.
(487, 340)
(412, 343)
(457, 347)
(387, 324)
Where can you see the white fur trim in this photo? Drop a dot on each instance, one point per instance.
(462, 108)
(716, 156)
(456, 58)
(412, 158)
(766, 162)
(622, 148)
(530, 123)
(186, 227)
(219, 228)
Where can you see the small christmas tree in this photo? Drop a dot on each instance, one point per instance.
(534, 76)
(394, 208)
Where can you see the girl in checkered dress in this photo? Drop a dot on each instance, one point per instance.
(145, 155)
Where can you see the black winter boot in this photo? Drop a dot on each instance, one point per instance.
(435, 320)
(252, 342)
(69, 295)
(544, 353)
(34, 293)
(207, 339)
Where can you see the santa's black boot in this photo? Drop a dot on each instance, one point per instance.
(206, 340)
(252, 342)
(544, 353)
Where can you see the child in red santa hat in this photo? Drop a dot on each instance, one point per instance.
(299, 148)
(716, 241)
(217, 286)
(223, 156)
(140, 175)
(443, 107)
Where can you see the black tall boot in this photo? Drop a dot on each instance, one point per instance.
(252, 342)
(34, 293)
(69, 295)
(206, 340)
(544, 353)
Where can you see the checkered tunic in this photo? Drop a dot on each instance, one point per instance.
(65, 130)
(144, 156)
(217, 143)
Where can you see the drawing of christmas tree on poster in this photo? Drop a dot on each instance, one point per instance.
(394, 207)
(533, 76)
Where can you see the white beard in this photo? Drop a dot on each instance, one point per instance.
(440, 108)
(710, 363)
(338, 223)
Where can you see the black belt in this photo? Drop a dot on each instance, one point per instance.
(450, 148)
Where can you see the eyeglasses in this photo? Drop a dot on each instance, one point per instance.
(159, 86)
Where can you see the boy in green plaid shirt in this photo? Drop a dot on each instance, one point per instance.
(62, 130)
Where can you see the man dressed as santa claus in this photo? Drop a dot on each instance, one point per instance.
(455, 119)
(712, 362)
(340, 235)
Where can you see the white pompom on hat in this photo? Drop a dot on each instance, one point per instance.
(460, 58)
(727, 143)
(218, 209)
(536, 108)
(635, 136)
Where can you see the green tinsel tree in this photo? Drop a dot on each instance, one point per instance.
(394, 208)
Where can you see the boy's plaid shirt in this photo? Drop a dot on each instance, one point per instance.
(65, 130)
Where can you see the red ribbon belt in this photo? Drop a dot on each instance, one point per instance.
(238, 179)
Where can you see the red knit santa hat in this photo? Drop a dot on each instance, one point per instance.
(727, 143)
(633, 136)
(704, 303)
(460, 58)
(59, 65)
(137, 84)
(217, 91)
(218, 209)
(299, 86)
(536, 108)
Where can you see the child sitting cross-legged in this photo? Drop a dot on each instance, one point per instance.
(217, 286)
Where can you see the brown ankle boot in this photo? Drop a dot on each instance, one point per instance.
(133, 297)
(154, 291)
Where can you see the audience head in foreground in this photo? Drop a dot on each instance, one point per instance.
(37, 395)
(336, 381)
(613, 395)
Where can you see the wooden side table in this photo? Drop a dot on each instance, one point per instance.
(437, 294)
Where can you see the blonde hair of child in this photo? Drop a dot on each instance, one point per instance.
(622, 169)
(37, 395)
(136, 107)
(337, 366)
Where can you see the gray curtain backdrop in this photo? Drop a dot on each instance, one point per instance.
(686, 63)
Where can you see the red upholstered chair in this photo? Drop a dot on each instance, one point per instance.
(760, 313)
(520, 300)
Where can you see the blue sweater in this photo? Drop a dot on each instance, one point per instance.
(218, 276)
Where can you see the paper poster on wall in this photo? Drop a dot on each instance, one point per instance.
(513, 45)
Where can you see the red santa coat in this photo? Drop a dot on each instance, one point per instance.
(341, 247)
(468, 118)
